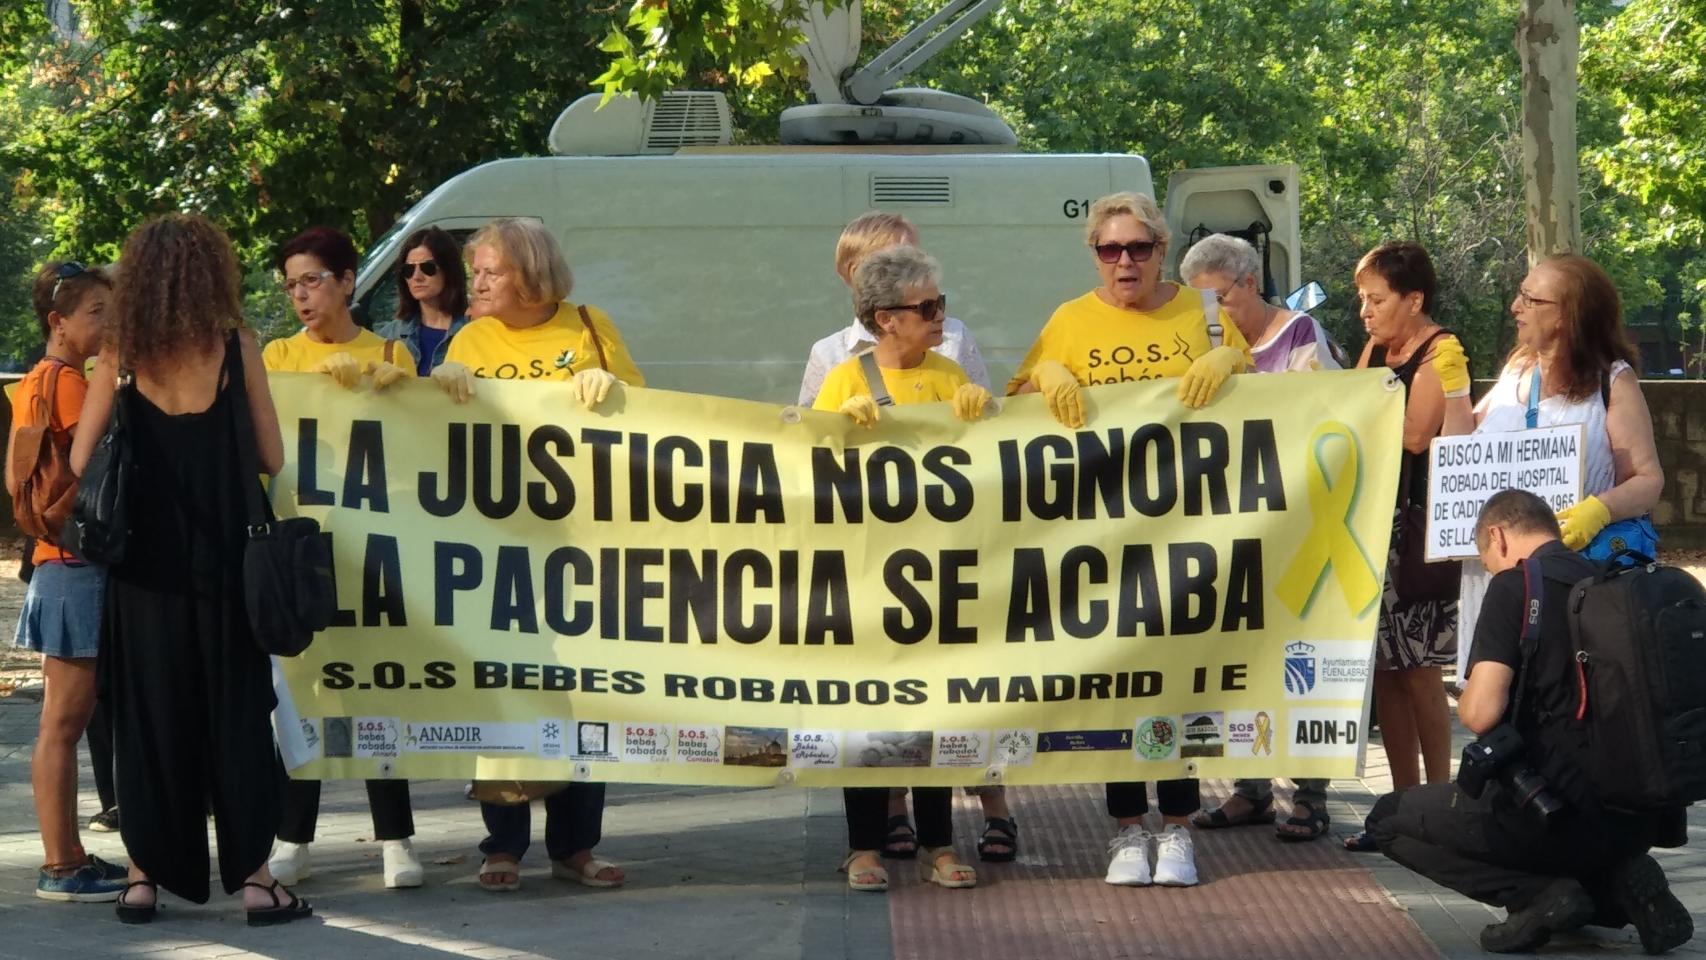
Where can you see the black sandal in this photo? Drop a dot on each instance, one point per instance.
(279, 912)
(130, 913)
(1261, 812)
(1316, 823)
(998, 832)
(902, 842)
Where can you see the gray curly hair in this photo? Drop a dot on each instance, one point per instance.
(1232, 257)
(882, 278)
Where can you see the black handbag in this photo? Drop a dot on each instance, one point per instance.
(1416, 579)
(288, 583)
(99, 526)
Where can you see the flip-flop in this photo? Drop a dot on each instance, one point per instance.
(587, 874)
(998, 832)
(902, 841)
(1316, 823)
(1259, 815)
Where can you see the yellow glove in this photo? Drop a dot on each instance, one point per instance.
(1583, 521)
(1208, 373)
(969, 401)
(343, 368)
(861, 408)
(1452, 367)
(1060, 390)
(592, 385)
(385, 373)
(456, 380)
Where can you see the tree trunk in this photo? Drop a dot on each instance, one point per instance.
(1547, 43)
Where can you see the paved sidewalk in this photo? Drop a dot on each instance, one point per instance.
(750, 874)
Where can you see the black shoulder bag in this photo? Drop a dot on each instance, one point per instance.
(288, 584)
(1416, 579)
(99, 525)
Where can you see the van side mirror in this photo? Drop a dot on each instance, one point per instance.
(1307, 297)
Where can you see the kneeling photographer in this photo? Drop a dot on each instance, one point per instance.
(1524, 828)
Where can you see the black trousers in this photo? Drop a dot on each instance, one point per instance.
(574, 821)
(393, 816)
(1488, 850)
(100, 734)
(868, 816)
(1176, 798)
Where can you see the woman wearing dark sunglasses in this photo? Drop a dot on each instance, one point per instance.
(898, 298)
(432, 297)
(1135, 327)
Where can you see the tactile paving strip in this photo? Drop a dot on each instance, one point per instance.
(1259, 898)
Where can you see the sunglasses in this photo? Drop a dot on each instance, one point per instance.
(927, 309)
(429, 268)
(64, 272)
(1137, 250)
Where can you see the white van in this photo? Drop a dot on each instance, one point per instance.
(718, 266)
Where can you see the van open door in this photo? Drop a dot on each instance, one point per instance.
(1258, 203)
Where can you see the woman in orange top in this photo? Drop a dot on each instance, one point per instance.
(62, 611)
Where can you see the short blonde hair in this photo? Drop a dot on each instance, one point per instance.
(1139, 205)
(542, 273)
(867, 233)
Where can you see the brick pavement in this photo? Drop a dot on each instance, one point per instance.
(715, 873)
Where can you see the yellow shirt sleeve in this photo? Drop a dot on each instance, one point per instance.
(846, 380)
(1045, 347)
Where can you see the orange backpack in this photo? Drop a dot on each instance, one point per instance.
(41, 481)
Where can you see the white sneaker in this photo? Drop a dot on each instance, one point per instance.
(289, 863)
(1128, 857)
(402, 869)
(1175, 858)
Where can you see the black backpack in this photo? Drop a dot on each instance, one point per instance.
(1638, 634)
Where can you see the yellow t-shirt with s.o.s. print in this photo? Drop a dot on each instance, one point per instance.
(303, 354)
(557, 349)
(1105, 344)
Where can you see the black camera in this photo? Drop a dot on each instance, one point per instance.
(1499, 756)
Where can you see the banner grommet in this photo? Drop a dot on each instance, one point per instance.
(786, 777)
(582, 772)
(995, 774)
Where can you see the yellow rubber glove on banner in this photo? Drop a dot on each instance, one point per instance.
(1060, 391)
(1582, 522)
(861, 408)
(592, 385)
(342, 368)
(456, 380)
(969, 401)
(1452, 367)
(385, 373)
(1206, 375)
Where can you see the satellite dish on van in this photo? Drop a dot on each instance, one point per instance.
(863, 106)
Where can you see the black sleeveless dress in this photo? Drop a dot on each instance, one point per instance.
(191, 693)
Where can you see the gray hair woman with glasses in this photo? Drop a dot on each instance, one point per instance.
(1280, 339)
(1133, 326)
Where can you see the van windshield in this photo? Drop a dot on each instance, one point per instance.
(374, 248)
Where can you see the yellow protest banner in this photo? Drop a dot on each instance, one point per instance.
(687, 589)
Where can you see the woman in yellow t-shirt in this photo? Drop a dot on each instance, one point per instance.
(525, 328)
(897, 296)
(1133, 326)
(318, 266)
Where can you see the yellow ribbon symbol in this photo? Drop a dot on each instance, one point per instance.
(1264, 736)
(1330, 542)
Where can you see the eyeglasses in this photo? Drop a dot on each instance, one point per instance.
(1221, 295)
(64, 272)
(927, 309)
(308, 281)
(428, 268)
(1528, 301)
(1138, 250)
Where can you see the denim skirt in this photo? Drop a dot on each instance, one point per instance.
(62, 611)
